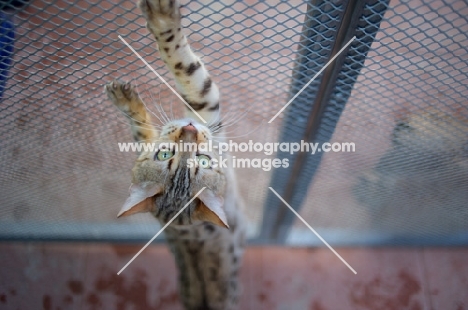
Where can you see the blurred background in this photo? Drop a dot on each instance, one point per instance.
(395, 209)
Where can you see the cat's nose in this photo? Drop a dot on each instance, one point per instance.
(189, 133)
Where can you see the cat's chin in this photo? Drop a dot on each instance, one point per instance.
(186, 123)
(185, 130)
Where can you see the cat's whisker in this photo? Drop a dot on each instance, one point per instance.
(134, 125)
(172, 112)
(216, 119)
(243, 135)
(240, 114)
(158, 107)
(217, 125)
(160, 118)
(214, 128)
(231, 113)
(154, 103)
(223, 126)
(228, 113)
(230, 131)
(144, 103)
(163, 112)
(157, 116)
(226, 117)
(235, 117)
(147, 108)
(215, 131)
(157, 104)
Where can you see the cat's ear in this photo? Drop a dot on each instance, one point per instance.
(211, 209)
(140, 199)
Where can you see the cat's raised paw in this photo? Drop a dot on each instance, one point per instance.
(161, 15)
(123, 95)
(117, 90)
(151, 8)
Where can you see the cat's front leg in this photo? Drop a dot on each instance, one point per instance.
(125, 97)
(192, 79)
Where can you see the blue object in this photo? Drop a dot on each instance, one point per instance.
(7, 39)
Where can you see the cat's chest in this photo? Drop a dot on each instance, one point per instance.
(206, 232)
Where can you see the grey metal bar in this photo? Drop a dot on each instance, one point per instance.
(294, 185)
(140, 234)
(317, 39)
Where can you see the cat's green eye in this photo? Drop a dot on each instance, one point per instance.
(164, 154)
(204, 161)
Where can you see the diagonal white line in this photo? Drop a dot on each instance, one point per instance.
(313, 230)
(161, 78)
(312, 79)
(160, 231)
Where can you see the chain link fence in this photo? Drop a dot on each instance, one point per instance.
(399, 93)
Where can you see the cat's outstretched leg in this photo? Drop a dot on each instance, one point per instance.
(126, 99)
(192, 79)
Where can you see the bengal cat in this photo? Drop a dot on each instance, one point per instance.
(207, 238)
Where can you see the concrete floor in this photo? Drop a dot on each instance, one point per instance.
(83, 276)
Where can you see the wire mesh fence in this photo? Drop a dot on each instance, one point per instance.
(408, 117)
(61, 165)
(64, 177)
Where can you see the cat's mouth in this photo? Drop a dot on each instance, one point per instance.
(189, 133)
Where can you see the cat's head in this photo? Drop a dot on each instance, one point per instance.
(167, 178)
